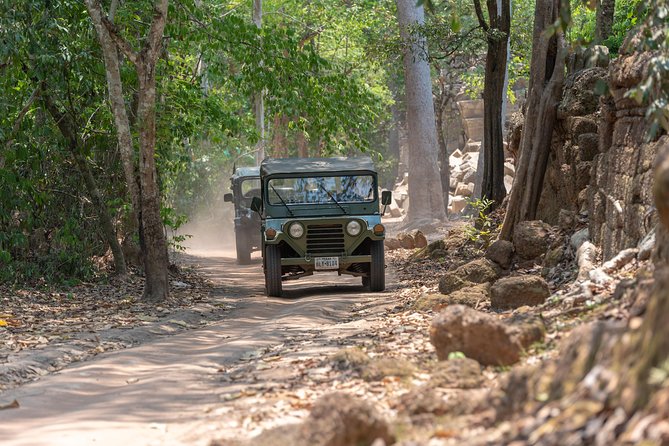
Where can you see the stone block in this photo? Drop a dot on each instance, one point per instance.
(465, 189)
(588, 144)
(471, 109)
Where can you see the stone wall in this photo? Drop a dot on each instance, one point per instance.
(599, 165)
(574, 146)
(620, 197)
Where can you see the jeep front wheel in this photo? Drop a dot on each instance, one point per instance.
(273, 270)
(377, 269)
(243, 248)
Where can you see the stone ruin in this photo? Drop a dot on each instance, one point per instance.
(464, 130)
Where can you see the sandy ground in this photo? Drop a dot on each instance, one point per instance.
(172, 391)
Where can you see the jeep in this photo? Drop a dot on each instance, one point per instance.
(245, 184)
(320, 214)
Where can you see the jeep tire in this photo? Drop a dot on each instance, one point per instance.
(243, 247)
(377, 269)
(273, 270)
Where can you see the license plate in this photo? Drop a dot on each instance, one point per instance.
(324, 263)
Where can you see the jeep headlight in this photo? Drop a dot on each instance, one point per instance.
(296, 230)
(353, 228)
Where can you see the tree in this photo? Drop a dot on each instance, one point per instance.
(259, 103)
(425, 194)
(604, 20)
(547, 71)
(494, 91)
(153, 243)
(117, 103)
(69, 130)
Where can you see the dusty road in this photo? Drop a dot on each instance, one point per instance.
(174, 391)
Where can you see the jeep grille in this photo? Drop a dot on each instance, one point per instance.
(325, 239)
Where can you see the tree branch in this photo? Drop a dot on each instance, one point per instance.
(310, 35)
(153, 42)
(22, 114)
(120, 42)
(479, 15)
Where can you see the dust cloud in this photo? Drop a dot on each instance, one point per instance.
(210, 231)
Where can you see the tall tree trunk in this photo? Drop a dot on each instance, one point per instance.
(152, 235)
(153, 241)
(259, 102)
(426, 199)
(119, 112)
(547, 72)
(68, 129)
(394, 132)
(497, 34)
(604, 20)
(439, 108)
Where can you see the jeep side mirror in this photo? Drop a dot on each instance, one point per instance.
(386, 197)
(256, 204)
(227, 198)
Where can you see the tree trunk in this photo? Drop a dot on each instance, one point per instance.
(497, 33)
(426, 199)
(152, 239)
(604, 20)
(68, 130)
(152, 235)
(546, 78)
(279, 147)
(442, 101)
(259, 103)
(394, 133)
(302, 145)
(119, 112)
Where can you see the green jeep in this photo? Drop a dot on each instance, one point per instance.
(321, 214)
(245, 184)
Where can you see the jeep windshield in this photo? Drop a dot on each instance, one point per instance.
(251, 188)
(339, 189)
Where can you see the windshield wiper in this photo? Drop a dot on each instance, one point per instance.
(282, 202)
(333, 199)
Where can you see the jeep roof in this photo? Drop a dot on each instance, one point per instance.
(278, 166)
(241, 172)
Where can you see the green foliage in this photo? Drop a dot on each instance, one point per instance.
(628, 14)
(481, 227)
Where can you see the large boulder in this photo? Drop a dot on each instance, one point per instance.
(474, 272)
(518, 291)
(420, 241)
(500, 252)
(337, 419)
(478, 335)
(531, 238)
(406, 241)
(392, 244)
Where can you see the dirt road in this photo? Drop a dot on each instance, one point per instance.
(178, 390)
